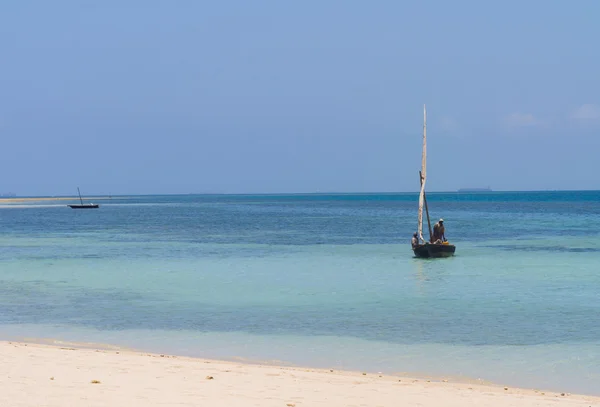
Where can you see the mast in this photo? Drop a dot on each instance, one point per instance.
(424, 149)
(423, 177)
(428, 221)
(79, 195)
(424, 157)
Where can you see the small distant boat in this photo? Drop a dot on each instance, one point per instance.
(427, 249)
(82, 205)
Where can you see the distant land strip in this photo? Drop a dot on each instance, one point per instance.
(61, 198)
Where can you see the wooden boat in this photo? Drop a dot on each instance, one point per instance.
(431, 250)
(82, 205)
(428, 249)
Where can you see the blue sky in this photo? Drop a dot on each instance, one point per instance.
(272, 96)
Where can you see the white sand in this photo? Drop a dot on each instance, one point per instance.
(40, 375)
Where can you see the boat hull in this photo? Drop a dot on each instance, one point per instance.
(84, 206)
(430, 250)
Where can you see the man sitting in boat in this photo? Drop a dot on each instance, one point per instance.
(414, 241)
(439, 232)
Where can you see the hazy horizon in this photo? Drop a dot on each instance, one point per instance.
(416, 192)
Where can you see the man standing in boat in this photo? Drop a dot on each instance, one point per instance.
(439, 232)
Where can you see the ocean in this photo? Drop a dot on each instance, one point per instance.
(323, 280)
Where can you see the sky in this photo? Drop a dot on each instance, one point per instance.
(238, 96)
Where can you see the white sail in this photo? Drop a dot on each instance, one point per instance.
(423, 175)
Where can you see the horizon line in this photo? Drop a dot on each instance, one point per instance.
(304, 193)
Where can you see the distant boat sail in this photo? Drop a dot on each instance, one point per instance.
(82, 205)
(428, 248)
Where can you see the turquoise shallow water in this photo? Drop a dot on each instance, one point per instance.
(324, 280)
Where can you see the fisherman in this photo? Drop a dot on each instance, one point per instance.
(414, 241)
(439, 232)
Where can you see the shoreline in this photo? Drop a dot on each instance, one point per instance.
(64, 372)
(101, 346)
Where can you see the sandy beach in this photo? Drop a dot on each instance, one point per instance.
(42, 375)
